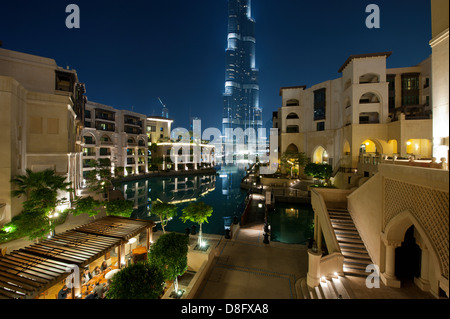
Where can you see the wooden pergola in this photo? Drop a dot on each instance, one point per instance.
(27, 272)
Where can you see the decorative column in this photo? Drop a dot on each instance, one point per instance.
(422, 282)
(388, 277)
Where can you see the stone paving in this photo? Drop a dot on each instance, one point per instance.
(246, 268)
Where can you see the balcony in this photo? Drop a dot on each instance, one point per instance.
(105, 115)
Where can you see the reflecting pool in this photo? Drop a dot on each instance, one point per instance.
(221, 191)
(292, 223)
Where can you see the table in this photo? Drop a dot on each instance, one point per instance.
(87, 288)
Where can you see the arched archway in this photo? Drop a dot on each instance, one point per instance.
(89, 138)
(369, 97)
(293, 102)
(371, 146)
(292, 148)
(369, 78)
(319, 155)
(405, 227)
(292, 116)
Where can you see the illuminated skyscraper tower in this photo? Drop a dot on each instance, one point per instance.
(241, 97)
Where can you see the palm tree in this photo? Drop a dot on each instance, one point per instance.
(34, 181)
(41, 190)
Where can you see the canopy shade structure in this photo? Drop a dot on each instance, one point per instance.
(27, 272)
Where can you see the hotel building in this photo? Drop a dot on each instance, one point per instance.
(42, 112)
(385, 132)
(370, 114)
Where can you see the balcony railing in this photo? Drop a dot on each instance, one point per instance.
(376, 159)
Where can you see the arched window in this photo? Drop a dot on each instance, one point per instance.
(141, 142)
(89, 139)
(369, 98)
(292, 116)
(369, 78)
(105, 139)
(292, 148)
(293, 102)
(131, 140)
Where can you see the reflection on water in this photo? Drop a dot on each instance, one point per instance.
(221, 191)
(292, 223)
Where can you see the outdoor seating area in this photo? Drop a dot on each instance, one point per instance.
(41, 270)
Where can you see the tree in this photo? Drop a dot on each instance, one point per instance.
(142, 280)
(41, 190)
(119, 207)
(197, 213)
(165, 212)
(99, 180)
(86, 205)
(170, 253)
(320, 171)
(293, 159)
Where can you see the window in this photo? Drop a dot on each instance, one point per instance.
(319, 104)
(105, 152)
(320, 126)
(391, 80)
(292, 116)
(410, 89)
(89, 139)
(293, 102)
(292, 129)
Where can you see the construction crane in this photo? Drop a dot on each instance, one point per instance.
(165, 111)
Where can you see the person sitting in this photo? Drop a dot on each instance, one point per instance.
(96, 271)
(99, 290)
(86, 276)
(62, 294)
(104, 266)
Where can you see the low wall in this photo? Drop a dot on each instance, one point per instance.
(198, 262)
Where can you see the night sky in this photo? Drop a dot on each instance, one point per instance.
(129, 53)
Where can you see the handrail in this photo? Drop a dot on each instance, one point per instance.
(320, 208)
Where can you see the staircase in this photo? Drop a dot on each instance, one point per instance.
(356, 258)
(328, 289)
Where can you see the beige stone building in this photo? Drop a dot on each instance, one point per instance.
(117, 135)
(394, 227)
(370, 114)
(41, 107)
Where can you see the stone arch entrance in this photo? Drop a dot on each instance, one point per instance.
(407, 245)
(408, 258)
(320, 155)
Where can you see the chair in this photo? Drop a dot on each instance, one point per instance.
(4, 251)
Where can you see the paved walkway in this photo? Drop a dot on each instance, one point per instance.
(246, 268)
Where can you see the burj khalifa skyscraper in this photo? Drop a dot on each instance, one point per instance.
(241, 96)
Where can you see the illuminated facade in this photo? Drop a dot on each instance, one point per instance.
(117, 135)
(241, 96)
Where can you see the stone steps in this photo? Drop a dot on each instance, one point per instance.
(356, 257)
(328, 289)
